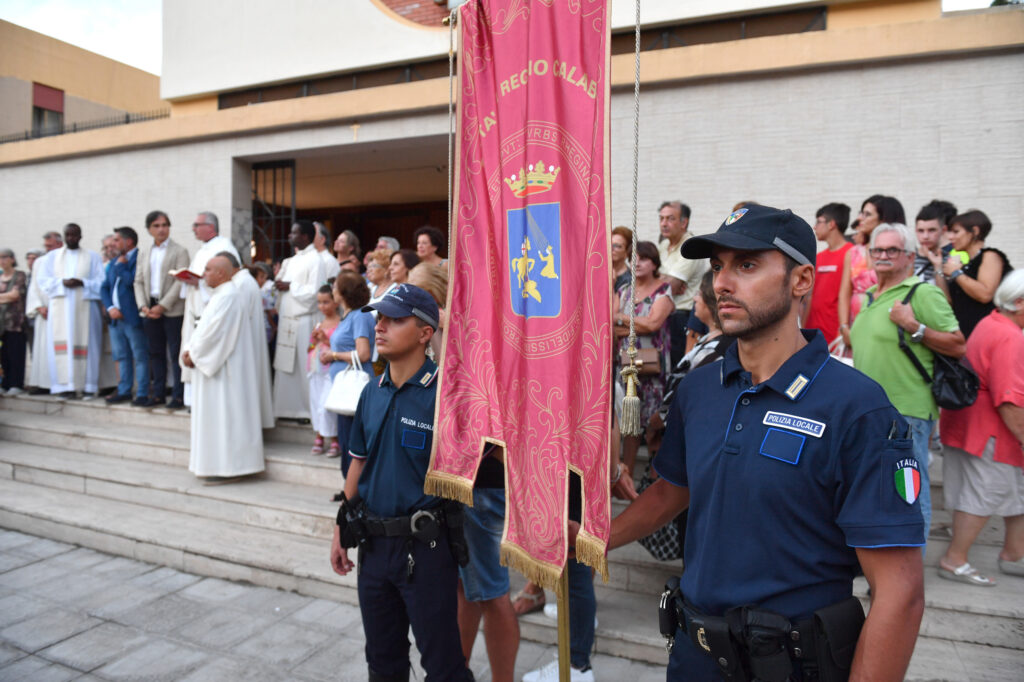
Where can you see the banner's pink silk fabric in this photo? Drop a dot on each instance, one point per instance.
(527, 355)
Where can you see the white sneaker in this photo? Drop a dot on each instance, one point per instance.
(551, 611)
(14, 391)
(549, 673)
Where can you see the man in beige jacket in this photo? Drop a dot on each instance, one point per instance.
(161, 306)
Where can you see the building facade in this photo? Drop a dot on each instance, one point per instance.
(339, 111)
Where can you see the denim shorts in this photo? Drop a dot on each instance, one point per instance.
(484, 578)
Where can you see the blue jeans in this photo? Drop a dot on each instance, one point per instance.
(129, 344)
(484, 578)
(582, 610)
(921, 431)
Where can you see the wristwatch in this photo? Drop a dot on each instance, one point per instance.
(955, 274)
(918, 336)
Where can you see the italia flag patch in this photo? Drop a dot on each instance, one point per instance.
(908, 480)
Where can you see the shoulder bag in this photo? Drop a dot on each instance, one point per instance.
(346, 388)
(954, 385)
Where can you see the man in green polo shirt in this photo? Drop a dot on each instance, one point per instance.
(930, 326)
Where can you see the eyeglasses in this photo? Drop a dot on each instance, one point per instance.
(200, 224)
(890, 252)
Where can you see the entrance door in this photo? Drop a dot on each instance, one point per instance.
(273, 208)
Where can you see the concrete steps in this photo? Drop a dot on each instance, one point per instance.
(115, 479)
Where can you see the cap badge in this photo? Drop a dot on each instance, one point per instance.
(735, 215)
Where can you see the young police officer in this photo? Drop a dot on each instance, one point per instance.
(407, 573)
(796, 470)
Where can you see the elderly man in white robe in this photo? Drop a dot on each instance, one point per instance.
(323, 238)
(71, 278)
(247, 287)
(196, 292)
(227, 438)
(301, 276)
(36, 309)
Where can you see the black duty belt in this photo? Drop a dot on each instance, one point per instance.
(424, 525)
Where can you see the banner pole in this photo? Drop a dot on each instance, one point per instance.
(563, 626)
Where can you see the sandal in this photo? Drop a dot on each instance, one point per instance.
(318, 446)
(534, 602)
(334, 450)
(966, 574)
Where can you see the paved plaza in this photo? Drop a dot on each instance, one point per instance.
(71, 613)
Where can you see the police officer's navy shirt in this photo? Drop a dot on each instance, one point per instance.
(392, 431)
(786, 478)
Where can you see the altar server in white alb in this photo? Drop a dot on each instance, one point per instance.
(301, 276)
(196, 292)
(227, 435)
(71, 278)
(249, 290)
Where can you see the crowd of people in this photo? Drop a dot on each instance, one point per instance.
(245, 346)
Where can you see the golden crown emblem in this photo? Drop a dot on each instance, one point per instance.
(535, 179)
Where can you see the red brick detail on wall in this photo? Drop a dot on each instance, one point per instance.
(426, 12)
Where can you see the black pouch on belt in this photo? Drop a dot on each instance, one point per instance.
(765, 633)
(710, 634)
(455, 516)
(836, 631)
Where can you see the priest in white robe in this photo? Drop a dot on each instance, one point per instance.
(227, 435)
(71, 278)
(253, 298)
(196, 291)
(323, 238)
(301, 276)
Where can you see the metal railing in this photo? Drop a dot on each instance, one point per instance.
(80, 126)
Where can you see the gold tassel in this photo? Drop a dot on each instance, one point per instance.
(449, 486)
(591, 551)
(630, 424)
(538, 573)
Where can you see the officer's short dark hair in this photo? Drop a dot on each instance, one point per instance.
(837, 213)
(937, 209)
(684, 210)
(974, 219)
(128, 233)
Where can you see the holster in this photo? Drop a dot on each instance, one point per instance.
(455, 520)
(351, 522)
(837, 630)
(710, 634)
(765, 634)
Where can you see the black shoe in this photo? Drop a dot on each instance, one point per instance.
(174, 404)
(36, 390)
(119, 398)
(143, 402)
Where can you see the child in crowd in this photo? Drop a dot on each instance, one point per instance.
(325, 425)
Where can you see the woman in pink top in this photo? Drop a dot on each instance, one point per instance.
(858, 273)
(983, 461)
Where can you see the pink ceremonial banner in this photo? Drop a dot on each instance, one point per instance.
(527, 353)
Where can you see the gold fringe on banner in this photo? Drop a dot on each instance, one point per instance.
(590, 550)
(450, 486)
(537, 572)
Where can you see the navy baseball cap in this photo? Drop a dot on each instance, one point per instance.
(405, 300)
(758, 228)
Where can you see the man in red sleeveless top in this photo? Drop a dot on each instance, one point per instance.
(823, 312)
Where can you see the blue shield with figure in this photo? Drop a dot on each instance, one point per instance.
(535, 260)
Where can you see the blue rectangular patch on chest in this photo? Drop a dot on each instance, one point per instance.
(792, 422)
(783, 446)
(417, 440)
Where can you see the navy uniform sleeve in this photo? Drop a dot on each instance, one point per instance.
(874, 507)
(357, 434)
(670, 462)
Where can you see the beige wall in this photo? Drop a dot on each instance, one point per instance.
(33, 56)
(15, 116)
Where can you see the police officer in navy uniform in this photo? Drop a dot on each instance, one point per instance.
(798, 474)
(407, 571)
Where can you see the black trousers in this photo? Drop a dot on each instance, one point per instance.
(12, 359)
(677, 331)
(164, 335)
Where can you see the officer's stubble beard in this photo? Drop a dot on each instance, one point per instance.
(760, 319)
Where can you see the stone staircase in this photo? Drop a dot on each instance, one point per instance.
(115, 479)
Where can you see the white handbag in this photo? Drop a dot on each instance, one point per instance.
(346, 388)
